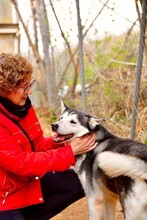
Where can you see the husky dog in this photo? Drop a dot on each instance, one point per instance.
(115, 170)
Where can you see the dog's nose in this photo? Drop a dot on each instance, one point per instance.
(54, 126)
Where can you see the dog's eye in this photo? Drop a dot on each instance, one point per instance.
(73, 122)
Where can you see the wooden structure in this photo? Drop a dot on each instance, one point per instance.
(9, 38)
(9, 29)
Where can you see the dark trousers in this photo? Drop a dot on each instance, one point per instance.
(60, 189)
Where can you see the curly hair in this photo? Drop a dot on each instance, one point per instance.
(15, 71)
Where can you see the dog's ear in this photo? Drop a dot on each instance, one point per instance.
(63, 106)
(93, 122)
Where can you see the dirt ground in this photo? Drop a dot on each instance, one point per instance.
(79, 211)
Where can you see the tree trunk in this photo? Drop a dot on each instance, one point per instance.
(35, 52)
(81, 56)
(34, 22)
(49, 67)
(139, 67)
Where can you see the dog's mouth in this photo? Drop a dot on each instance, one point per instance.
(62, 138)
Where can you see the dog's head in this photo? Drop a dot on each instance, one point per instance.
(73, 123)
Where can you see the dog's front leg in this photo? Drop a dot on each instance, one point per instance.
(110, 208)
(96, 208)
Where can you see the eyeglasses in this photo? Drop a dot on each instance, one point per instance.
(28, 86)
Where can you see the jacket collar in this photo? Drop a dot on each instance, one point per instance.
(14, 111)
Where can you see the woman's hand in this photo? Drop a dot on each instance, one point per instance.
(83, 144)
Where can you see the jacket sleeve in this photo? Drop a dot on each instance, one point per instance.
(32, 125)
(42, 143)
(15, 159)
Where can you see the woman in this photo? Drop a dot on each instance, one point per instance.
(35, 182)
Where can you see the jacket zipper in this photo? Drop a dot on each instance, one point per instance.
(6, 193)
(5, 196)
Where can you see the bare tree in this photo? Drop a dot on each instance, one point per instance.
(34, 16)
(139, 18)
(84, 35)
(46, 41)
(81, 56)
(139, 66)
(68, 47)
(33, 47)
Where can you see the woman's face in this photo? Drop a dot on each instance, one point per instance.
(19, 96)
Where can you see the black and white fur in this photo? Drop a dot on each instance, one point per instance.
(115, 170)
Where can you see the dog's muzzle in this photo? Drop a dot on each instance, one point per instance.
(54, 126)
(60, 137)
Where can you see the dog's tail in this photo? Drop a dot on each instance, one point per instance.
(115, 164)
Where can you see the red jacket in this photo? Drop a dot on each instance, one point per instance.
(20, 167)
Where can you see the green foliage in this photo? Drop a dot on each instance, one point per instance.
(112, 93)
(88, 73)
(113, 96)
(145, 141)
(103, 54)
(116, 48)
(52, 117)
